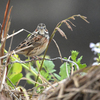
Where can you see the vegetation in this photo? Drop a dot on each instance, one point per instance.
(42, 68)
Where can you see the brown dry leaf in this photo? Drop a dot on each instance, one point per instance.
(71, 23)
(64, 21)
(73, 18)
(83, 17)
(61, 32)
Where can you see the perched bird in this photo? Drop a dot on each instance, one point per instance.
(35, 43)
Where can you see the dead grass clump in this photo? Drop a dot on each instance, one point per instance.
(77, 87)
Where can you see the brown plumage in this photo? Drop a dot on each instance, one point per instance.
(34, 44)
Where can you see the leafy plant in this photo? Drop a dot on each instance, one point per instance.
(14, 72)
(48, 70)
(66, 68)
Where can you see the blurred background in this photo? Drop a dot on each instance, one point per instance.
(28, 13)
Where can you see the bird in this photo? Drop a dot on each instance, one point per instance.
(35, 43)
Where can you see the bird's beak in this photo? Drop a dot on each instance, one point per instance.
(42, 28)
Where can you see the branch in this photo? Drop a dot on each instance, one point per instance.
(46, 59)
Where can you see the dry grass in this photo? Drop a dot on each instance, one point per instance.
(77, 87)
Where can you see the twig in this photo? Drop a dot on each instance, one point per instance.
(11, 93)
(52, 59)
(84, 90)
(24, 78)
(3, 78)
(54, 85)
(58, 49)
(14, 52)
(11, 82)
(21, 30)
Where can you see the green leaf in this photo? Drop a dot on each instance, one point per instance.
(63, 72)
(79, 59)
(14, 69)
(79, 63)
(38, 63)
(74, 55)
(17, 68)
(49, 65)
(45, 75)
(15, 78)
(81, 66)
(53, 70)
(47, 68)
(57, 76)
